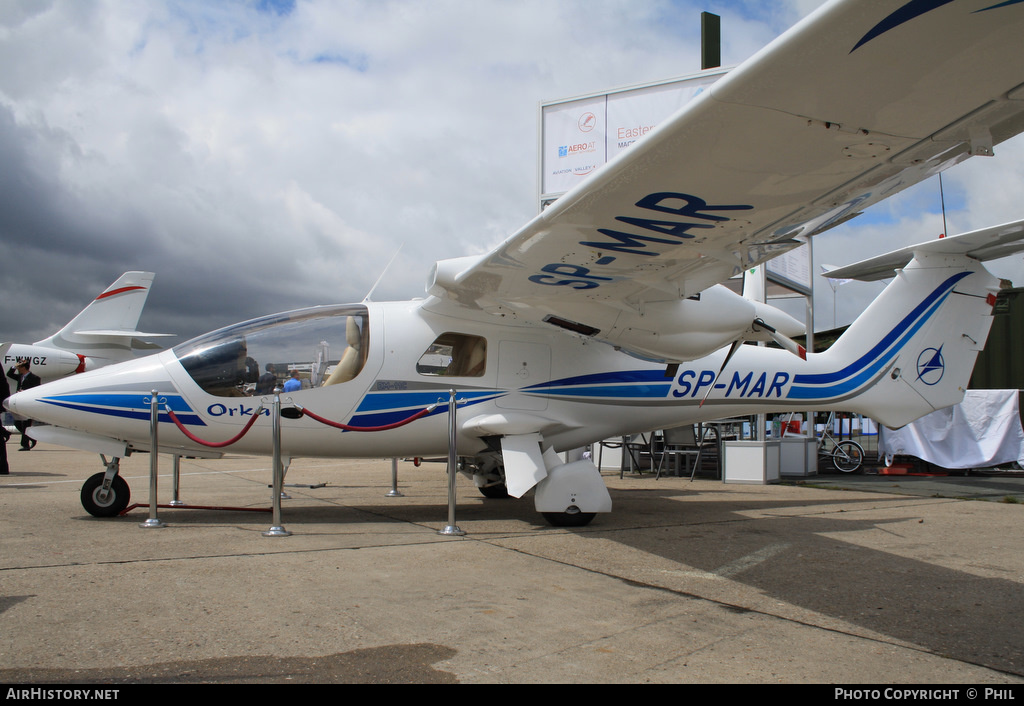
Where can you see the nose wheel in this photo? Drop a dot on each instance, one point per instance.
(105, 500)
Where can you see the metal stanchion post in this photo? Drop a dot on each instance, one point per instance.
(451, 528)
(175, 483)
(154, 418)
(394, 492)
(277, 530)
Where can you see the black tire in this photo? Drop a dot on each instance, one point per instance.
(113, 505)
(494, 491)
(573, 518)
(847, 456)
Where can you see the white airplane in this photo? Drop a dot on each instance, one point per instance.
(99, 335)
(604, 315)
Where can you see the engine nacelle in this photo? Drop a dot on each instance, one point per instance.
(679, 331)
(47, 363)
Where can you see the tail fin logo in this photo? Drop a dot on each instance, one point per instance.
(931, 366)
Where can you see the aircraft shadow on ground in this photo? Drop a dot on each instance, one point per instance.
(946, 611)
(971, 618)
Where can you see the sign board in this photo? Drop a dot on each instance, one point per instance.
(579, 135)
(792, 268)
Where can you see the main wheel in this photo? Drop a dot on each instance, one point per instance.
(847, 456)
(494, 491)
(570, 518)
(109, 504)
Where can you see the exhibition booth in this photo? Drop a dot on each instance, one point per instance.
(983, 431)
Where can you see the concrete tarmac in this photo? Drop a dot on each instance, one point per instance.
(684, 582)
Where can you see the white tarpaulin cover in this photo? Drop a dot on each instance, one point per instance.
(984, 430)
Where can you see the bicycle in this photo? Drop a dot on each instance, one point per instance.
(847, 455)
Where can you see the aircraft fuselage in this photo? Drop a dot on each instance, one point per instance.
(398, 359)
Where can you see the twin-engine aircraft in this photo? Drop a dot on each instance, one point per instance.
(102, 333)
(604, 315)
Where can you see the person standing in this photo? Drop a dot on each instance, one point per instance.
(293, 383)
(5, 392)
(26, 381)
(267, 382)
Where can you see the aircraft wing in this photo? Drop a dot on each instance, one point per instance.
(857, 102)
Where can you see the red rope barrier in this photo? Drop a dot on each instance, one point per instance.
(385, 427)
(214, 444)
(328, 422)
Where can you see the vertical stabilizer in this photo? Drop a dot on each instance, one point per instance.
(104, 330)
(913, 350)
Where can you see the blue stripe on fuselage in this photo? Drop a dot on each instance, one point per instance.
(868, 365)
(186, 417)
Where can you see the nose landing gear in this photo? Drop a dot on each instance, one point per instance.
(106, 494)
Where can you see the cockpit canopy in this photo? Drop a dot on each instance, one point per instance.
(314, 347)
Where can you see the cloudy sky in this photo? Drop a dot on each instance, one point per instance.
(263, 155)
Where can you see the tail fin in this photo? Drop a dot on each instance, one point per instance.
(104, 330)
(913, 350)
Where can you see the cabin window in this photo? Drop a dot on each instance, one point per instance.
(454, 355)
(325, 345)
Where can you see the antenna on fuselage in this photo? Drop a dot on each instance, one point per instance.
(942, 201)
(386, 268)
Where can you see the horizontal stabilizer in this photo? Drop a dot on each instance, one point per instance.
(138, 344)
(123, 334)
(982, 245)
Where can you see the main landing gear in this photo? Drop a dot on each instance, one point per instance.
(570, 495)
(106, 494)
(572, 517)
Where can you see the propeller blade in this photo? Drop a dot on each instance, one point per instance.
(785, 341)
(789, 344)
(732, 350)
